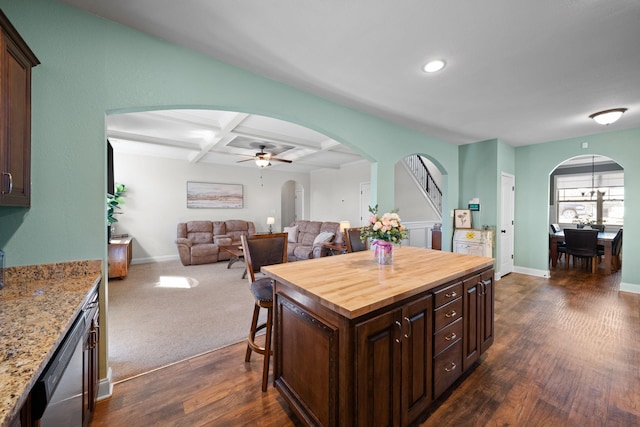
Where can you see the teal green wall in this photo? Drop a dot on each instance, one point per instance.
(481, 165)
(478, 177)
(534, 164)
(506, 159)
(92, 67)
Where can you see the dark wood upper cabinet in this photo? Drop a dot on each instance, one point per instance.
(16, 61)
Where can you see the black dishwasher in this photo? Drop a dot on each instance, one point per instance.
(57, 396)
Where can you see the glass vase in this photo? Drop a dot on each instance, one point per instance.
(383, 252)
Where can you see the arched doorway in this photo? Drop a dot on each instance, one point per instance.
(587, 191)
(292, 202)
(418, 197)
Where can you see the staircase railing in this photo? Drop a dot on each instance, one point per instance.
(425, 180)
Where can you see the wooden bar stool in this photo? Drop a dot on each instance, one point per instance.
(261, 250)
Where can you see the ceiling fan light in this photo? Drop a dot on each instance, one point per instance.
(263, 163)
(607, 117)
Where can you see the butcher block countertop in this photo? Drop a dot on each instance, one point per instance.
(354, 284)
(37, 307)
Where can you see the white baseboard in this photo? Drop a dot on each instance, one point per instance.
(105, 387)
(154, 259)
(532, 272)
(630, 287)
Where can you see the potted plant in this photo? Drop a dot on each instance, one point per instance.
(113, 203)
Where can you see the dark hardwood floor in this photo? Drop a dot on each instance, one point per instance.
(566, 353)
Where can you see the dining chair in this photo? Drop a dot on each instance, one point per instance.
(353, 242)
(582, 244)
(616, 248)
(261, 250)
(561, 246)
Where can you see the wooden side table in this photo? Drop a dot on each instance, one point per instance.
(119, 257)
(335, 248)
(236, 254)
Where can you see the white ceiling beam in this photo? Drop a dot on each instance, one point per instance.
(181, 117)
(235, 121)
(150, 139)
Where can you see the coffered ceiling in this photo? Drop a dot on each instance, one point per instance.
(227, 138)
(522, 71)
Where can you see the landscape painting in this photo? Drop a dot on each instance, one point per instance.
(211, 195)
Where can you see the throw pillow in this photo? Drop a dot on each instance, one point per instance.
(293, 233)
(324, 236)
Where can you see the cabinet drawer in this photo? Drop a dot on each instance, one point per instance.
(448, 294)
(447, 367)
(447, 336)
(448, 314)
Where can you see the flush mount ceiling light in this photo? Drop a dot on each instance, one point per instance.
(433, 66)
(607, 117)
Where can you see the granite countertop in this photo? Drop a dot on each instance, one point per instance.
(37, 307)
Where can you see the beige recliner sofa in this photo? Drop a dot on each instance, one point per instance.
(199, 241)
(306, 238)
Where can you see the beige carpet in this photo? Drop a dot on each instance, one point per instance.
(164, 312)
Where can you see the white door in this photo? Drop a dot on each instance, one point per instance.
(507, 185)
(365, 201)
(298, 205)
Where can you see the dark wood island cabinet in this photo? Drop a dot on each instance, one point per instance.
(357, 343)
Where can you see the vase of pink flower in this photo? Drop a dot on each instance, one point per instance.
(385, 231)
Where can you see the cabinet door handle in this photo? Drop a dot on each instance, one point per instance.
(451, 295)
(451, 337)
(10, 183)
(451, 314)
(452, 368)
(486, 285)
(408, 334)
(399, 325)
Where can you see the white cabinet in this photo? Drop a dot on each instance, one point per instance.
(473, 242)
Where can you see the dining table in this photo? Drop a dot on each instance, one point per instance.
(605, 238)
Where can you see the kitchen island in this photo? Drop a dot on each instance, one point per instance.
(37, 307)
(357, 343)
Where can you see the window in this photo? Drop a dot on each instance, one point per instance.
(578, 200)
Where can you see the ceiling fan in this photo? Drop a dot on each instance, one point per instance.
(264, 159)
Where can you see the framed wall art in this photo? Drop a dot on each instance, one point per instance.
(461, 218)
(212, 195)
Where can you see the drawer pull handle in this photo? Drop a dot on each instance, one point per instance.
(451, 295)
(399, 327)
(452, 368)
(451, 337)
(451, 314)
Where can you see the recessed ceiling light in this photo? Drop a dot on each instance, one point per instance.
(607, 117)
(433, 66)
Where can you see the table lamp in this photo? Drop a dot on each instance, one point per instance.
(270, 221)
(343, 227)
